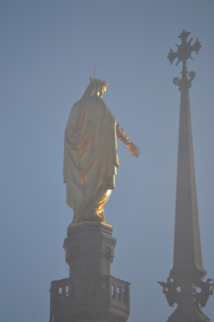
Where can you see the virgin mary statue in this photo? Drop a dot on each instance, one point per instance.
(90, 154)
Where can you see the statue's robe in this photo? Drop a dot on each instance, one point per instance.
(90, 158)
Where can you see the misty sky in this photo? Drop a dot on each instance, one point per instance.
(48, 52)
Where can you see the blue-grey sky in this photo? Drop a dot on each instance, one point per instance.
(48, 52)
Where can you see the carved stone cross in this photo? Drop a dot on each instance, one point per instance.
(183, 53)
(185, 49)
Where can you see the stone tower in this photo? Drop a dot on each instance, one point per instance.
(188, 272)
(90, 293)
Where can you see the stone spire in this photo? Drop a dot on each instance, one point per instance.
(188, 271)
(187, 245)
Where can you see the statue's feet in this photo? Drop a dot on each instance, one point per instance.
(89, 215)
(98, 217)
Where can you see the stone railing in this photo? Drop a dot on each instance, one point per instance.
(90, 290)
(120, 292)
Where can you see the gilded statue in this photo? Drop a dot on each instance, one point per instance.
(90, 154)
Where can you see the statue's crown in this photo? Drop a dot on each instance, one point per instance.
(98, 82)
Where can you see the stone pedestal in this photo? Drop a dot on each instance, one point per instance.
(89, 249)
(90, 293)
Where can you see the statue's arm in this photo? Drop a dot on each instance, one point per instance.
(122, 135)
(134, 150)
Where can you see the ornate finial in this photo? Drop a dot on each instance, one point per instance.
(184, 52)
(185, 49)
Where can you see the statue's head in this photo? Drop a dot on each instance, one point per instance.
(95, 88)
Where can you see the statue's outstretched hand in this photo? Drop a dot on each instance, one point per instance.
(134, 150)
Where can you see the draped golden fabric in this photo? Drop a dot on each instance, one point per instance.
(90, 158)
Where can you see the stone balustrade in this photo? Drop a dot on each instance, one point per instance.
(95, 294)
